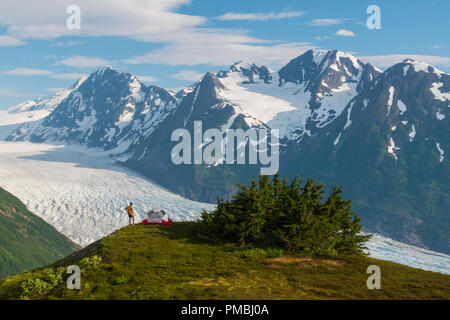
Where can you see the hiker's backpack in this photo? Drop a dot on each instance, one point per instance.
(130, 210)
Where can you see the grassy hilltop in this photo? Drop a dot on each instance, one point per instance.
(27, 241)
(159, 262)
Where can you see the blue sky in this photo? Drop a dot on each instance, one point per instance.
(171, 43)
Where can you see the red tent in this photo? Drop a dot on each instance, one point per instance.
(157, 217)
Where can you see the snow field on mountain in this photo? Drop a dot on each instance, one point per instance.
(291, 100)
(258, 101)
(10, 120)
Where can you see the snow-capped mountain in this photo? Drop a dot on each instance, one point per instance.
(383, 136)
(110, 108)
(387, 149)
(48, 103)
(203, 103)
(306, 94)
(107, 110)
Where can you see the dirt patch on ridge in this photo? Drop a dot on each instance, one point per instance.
(304, 262)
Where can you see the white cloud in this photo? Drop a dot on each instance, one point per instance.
(150, 21)
(68, 76)
(55, 90)
(67, 43)
(345, 33)
(47, 18)
(82, 62)
(147, 78)
(384, 61)
(220, 49)
(28, 72)
(189, 75)
(326, 22)
(10, 93)
(8, 41)
(260, 16)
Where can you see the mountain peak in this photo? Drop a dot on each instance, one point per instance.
(103, 69)
(250, 71)
(210, 80)
(332, 65)
(410, 67)
(330, 56)
(102, 72)
(421, 66)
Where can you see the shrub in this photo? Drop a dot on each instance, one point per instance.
(272, 213)
(42, 285)
(90, 262)
(274, 252)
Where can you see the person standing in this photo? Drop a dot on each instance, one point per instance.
(130, 212)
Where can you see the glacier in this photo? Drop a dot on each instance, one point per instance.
(83, 192)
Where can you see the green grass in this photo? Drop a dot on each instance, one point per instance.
(27, 241)
(159, 262)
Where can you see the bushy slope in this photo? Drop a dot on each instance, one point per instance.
(157, 262)
(26, 241)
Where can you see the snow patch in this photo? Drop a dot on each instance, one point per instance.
(405, 69)
(349, 121)
(412, 134)
(425, 67)
(438, 95)
(136, 90)
(87, 122)
(401, 106)
(390, 99)
(337, 139)
(365, 103)
(392, 148)
(439, 115)
(441, 152)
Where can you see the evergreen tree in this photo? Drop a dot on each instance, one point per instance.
(295, 216)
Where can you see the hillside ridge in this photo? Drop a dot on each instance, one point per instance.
(158, 262)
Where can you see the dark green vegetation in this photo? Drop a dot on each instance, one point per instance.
(158, 262)
(27, 241)
(295, 216)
